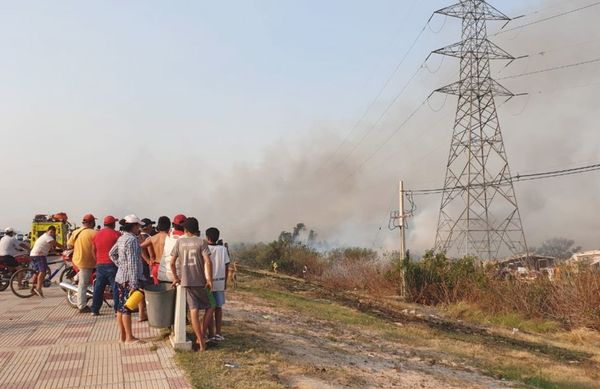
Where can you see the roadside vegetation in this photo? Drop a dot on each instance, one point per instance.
(464, 288)
(284, 332)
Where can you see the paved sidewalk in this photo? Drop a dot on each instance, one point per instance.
(48, 344)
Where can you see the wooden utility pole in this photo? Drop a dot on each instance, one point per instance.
(402, 223)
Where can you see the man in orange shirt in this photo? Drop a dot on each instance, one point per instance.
(81, 241)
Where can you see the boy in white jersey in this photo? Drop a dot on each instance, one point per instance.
(219, 257)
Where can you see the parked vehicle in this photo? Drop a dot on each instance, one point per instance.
(6, 273)
(71, 280)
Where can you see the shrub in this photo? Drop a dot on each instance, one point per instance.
(572, 300)
(368, 275)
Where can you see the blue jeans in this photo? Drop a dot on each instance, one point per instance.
(105, 275)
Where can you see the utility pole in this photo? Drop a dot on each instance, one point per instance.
(398, 220)
(402, 223)
(479, 215)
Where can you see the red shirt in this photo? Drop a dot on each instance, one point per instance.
(104, 240)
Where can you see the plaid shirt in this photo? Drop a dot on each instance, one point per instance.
(127, 255)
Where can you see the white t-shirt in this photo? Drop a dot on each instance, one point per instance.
(164, 269)
(219, 258)
(42, 245)
(9, 245)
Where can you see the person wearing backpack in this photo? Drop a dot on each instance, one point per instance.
(81, 241)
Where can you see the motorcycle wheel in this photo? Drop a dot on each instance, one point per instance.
(4, 282)
(66, 275)
(72, 298)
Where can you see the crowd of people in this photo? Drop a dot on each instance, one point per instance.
(137, 254)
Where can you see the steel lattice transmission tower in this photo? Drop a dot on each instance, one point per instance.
(479, 215)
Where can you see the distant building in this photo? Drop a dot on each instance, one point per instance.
(530, 262)
(587, 258)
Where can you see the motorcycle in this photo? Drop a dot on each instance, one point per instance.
(70, 285)
(6, 272)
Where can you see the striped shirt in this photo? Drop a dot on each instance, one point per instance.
(127, 255)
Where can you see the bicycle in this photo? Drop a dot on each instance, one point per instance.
(21, 285)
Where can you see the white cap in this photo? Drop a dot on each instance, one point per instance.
(132, 219)
(9, 230)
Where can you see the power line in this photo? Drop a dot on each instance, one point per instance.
(391, 208)
(403, 89)
(548, 18)
(572, 65)
(516, 178)
(382, 144)
(383, 114)
(389, 106)
(427, 101)
(378, 96)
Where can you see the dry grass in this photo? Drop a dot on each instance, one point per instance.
(240, 362)
(573, 300)
(499, 360)
(369, 276)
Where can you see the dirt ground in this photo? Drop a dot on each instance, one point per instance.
(284, 333)
(322, 354)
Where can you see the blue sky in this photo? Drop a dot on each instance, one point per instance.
(102, 101)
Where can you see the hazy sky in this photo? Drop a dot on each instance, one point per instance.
(226, 110)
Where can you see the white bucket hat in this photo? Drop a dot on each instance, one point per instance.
(9, 230)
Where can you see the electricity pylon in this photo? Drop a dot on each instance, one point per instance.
(479, 214)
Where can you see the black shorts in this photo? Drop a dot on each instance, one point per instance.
(9, 260)
(198, 297)
(146, 270)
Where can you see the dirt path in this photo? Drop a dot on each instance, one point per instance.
(324, 354)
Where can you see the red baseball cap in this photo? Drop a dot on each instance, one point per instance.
(89, 218)
(179, 219)
(110, 220)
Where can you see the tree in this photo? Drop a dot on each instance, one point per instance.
(312, 237)
(285, 238)
(560, 248)
(300, 227)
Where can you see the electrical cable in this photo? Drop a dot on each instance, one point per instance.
(377, 97)
(440, 108)
(513, 179)
(548, 18)
(572, 65)
(438, 68)
(391, 208)
(383, 114)
(382, 144)
(441, 28)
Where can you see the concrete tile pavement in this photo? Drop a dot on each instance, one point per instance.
(47, 344)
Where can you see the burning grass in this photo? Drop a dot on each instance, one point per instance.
(469, 290)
